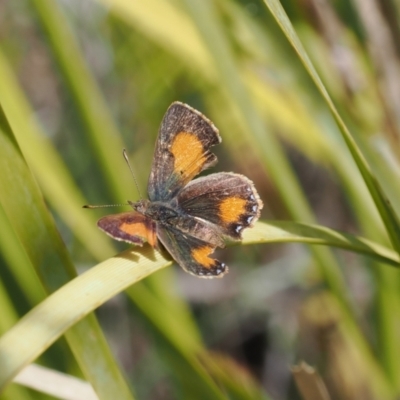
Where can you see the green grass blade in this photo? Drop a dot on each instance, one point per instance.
(269, 150)
(101, 129)
(38, 329)
(52, 174)
(293, 232)
(15, 257)
(180, 348)
(387, 213)
(141, 71)
(243, 386)
(86, 94)
(63, 189)
(23, 204)
(87, 292)
(157, 20)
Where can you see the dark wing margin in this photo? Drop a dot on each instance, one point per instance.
(182, 150)
(191, 254)
(229, 201)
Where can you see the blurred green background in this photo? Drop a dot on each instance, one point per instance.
(81, 80)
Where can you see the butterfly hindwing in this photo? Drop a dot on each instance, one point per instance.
(191, 254)
(182, 150)
(228, 201)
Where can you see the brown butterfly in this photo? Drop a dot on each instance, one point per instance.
(190, 217)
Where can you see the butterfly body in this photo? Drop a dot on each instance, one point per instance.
(190, 217)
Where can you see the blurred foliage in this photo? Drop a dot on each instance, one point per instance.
(79, 81)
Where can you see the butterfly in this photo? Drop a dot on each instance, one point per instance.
(190, 217)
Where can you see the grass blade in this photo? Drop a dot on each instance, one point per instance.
(38, 329)
(23, 204)
(389, 217)
(292, 232)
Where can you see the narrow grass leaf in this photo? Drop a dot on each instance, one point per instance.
(38, 329)
(23, 204)
(295, 232)
(389, 217)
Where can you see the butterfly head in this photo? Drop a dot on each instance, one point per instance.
(140, 206)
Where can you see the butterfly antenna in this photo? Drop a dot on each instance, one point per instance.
(103, 205)
(133, 175)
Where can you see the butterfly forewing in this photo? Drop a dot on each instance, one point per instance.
(182, 151)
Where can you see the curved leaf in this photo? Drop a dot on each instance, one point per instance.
(287, 232)
(38, 329)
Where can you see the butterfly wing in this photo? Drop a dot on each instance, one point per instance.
(211, 207)
(130, 227)
(182, 150)
(191, 254)
(227, 201)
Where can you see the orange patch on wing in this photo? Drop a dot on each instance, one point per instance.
(231, 208)
(201, 256)
(188, 154)
(140, 229)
